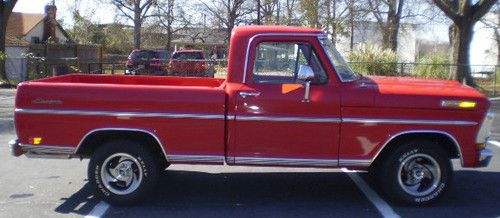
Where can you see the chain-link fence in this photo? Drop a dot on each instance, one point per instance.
(485, 76)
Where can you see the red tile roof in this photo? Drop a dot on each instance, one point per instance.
(20, 24)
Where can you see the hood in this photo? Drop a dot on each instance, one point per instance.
(418, 93)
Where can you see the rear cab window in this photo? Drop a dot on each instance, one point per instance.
(188, 55)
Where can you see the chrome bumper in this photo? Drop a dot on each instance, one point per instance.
(485, 156)
(39, 151)
(15, 148)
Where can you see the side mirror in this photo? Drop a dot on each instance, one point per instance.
(305, 76)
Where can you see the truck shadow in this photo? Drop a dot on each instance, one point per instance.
(81, 202)
(198, 194)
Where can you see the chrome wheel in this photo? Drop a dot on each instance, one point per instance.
(419, 174)
(121, 173)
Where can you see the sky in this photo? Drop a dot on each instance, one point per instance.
(105, 13)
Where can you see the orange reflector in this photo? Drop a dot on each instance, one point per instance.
(480, 146)
(286, 88)
(37, 140)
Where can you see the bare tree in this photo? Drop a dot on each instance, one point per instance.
(388, 14)
(464, 15)
(290, 9)
(340, 16)
(270, 11)
(229, 12)
(137, 11)
(6, 7)
(172, 18)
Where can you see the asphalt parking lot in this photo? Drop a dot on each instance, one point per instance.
(58, 188)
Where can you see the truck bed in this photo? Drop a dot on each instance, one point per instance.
(135, 80)
(180, 111)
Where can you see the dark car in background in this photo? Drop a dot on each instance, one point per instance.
(147, 62)
(191, 63)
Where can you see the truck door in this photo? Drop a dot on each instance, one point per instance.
(275, 122)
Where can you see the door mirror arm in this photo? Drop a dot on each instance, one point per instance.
(305, 76)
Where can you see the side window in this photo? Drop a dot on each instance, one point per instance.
(278, 63)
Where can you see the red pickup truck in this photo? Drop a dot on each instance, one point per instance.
(289, 100)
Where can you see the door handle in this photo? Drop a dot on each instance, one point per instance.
(249, 94)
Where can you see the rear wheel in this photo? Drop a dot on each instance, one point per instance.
(417, 173)
(123, 172)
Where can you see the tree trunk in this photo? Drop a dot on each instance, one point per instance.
(3, 27)
(462, 36)
(394, 37)
(5, 11)
(169, 38)
(137, 26)
(258, 13)
(386, 39)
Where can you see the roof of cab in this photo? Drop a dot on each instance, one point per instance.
(253, 30)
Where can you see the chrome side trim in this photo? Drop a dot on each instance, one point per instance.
(48, 149)
(47, 156)
(118, 114)
(196, 158)
(289, 119)
(272, 34)
(286, 161)
(409, 121)
(355, 162)
(455, 142)
(123, 129)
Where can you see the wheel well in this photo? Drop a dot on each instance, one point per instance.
(93, 140)
(441, 139)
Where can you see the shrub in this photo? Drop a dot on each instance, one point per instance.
(372, 60)
(433, 65)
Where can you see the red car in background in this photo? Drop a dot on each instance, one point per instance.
(147, 62)
(192, 63)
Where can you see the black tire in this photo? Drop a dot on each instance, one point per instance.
(138, 165)
(416, 173)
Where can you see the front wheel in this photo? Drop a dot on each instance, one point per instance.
(417, 173)
(122, 172)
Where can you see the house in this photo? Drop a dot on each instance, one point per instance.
(369, 33)
(24, 30)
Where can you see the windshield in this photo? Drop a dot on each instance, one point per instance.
(188, 55)
(343, 70)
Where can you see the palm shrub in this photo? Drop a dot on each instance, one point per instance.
(433, 65)
(373, 60)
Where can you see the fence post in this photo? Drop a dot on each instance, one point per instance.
(113, 69)
(88, 68)
(495, 81)
(101, 59)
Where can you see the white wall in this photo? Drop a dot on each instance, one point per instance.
(37, 31)
(15, 64)
(483, 49)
